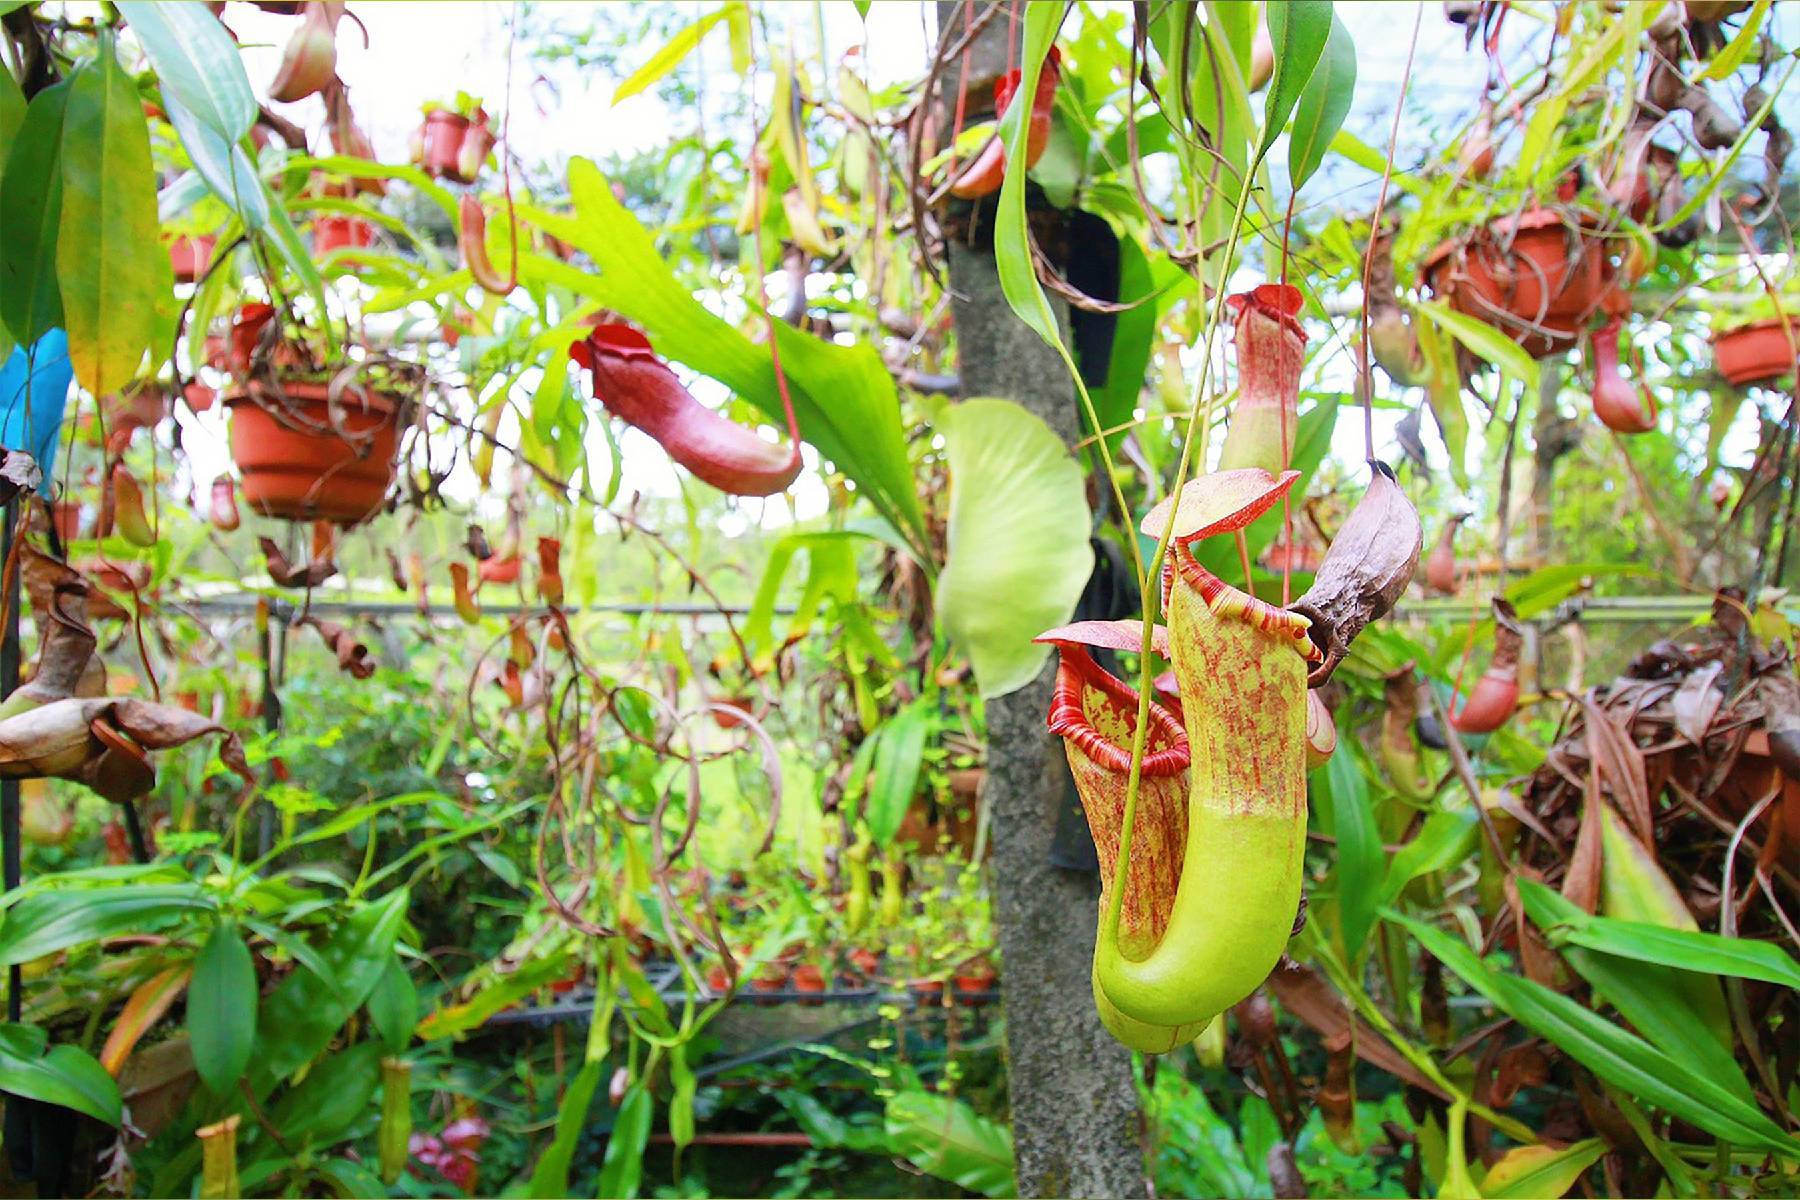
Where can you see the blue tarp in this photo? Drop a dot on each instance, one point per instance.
(34, 390)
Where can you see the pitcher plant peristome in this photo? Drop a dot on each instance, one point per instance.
(1096, 715)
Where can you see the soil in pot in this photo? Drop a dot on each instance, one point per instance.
(302, 461)
(1755, 353)
(1528, 276)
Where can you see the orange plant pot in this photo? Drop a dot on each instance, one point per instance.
(1526, 276)
(1755, 353)
(190, 256)
(444, 134)
(807, 977)
(295, 463)
(332, 233)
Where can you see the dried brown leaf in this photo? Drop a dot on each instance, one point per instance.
(1368, 566)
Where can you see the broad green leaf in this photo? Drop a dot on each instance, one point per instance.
(31, 198)
(12, 113)
(1012, 244)
(1299, 30)
(394, 1006)
(844, 398)
(1323, 106)
(65, 1076)
(221, 1009)
(1616, 1056)
(1017, 552)
(296, 253)
(623, 1166)
(1443, 392)
(196, 61)
(110, 267)
(671, 53)
(830, 572)
(346, 167)
(334, 1094)
(896, 771)
(44, 922)
(1149, 286)
(1538, 1172)
(224, 165)
(948, 1140)
(301, 1016)
(550, 1178)
(1360, 859)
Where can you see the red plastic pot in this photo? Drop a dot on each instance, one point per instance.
(974, 984)
(865, 961)
(1527, 276)
(444, 133)
(926, 992)
(190, 256)
(331, 233)
(808, 978)
(770, 981)
(301, 461)
(1755, 353)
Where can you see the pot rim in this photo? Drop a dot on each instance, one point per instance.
(1761, 323)
(1529, 220)
(306, 391)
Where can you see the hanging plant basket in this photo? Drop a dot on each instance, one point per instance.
(1530, 276)
(341, 233)
(1758, 352)
(304, 456)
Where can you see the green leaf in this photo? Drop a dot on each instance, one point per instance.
(110, 267)
(946, 1139)
(66, 1076)
(221, 1009)
(196, 61)
(12, 114)
(1323, 105)
(1445, 839)
(671, 54)
(623, 1166)
(1360, 858)
(1017, 553)
(844, 398)
(454, 1020)
(1616, 1056)
(44, 922)
(394, 1006)
(1299, 30)
(1483, 340)
(224, 166)
(334, 1094)
(303, 1013)
(1733, 55)
(1535, 1172)
(1686, 950)
(682, 1084)
(1012, 244)
(896, 774)
(550, 1178)
(31, 198)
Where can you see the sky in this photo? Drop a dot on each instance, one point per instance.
(427, 52)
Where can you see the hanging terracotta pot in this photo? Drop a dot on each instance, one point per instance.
(1529, 276)
(441, 150)
(1758, 352)
(189, 256)
(303, 457)
(332, 233)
